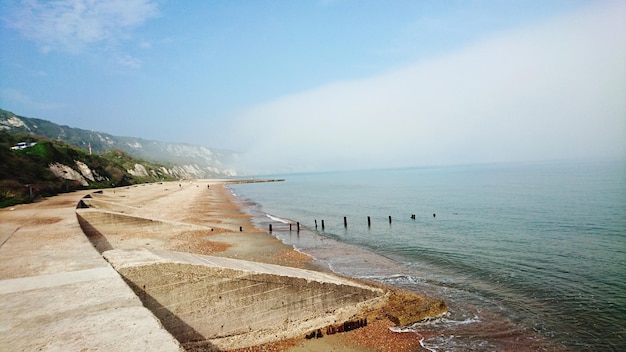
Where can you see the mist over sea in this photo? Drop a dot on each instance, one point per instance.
(528, 256)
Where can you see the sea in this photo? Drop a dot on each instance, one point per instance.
(527, 256)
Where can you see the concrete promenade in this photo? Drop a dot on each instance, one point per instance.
(57, 293)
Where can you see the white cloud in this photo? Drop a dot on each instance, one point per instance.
(554, 90)
(128, 61)
(145, 44)
(71, 25)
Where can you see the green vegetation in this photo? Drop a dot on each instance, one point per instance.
(155, 151)
(25, 174)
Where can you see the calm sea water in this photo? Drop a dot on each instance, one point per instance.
(527, 256)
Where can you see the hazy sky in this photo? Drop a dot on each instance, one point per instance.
(328, 84)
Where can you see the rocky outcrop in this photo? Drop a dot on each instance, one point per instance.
(88, 173)
(67, 173)
(13, 122)
(139, 170)
(83, 175)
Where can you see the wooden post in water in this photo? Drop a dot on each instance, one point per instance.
(345, 221)
(390, 219)
(369, 222)
(322, 224)
(298, 226)
(315, 223)
(289, 227)
(270, 227)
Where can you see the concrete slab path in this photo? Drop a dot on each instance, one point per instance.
(57, 293)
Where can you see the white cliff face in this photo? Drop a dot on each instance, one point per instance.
(85, 170)
(106, 139)
(190, 151)
(84, 175)
(139, 170)
(196, 171)
(13, 122)
(226, 172)
(66, 172)
(88, 173)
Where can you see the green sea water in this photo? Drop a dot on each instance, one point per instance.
(528, 256)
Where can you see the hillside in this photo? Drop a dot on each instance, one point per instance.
(186, 160)
(46, 167)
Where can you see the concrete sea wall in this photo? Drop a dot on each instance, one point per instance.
(230, 303)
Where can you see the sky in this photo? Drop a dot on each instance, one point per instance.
(328, 84)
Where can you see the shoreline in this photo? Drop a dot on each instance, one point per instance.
(202, 217)
(346, 259)
(374, 337)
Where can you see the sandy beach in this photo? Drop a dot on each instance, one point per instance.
(202, 218)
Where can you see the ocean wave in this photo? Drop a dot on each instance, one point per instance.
(278, 219)
(440, 322)
(395, 280)
(444, 321)
(402, 329)
(303, 252)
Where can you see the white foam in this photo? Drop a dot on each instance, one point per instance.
(443, 320)
(277, 219)
(411, 329)
(401, 329)
(438, 322)
(423, 346)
